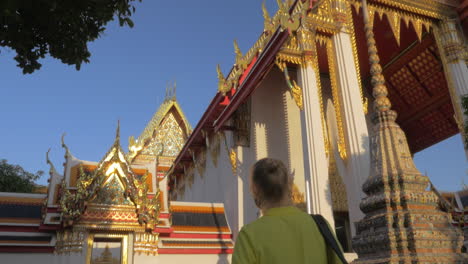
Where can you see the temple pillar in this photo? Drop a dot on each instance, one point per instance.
(453, 52)
(313, 137)
(354, 161)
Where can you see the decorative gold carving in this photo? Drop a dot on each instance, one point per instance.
(296, 91)
(365, 101)
(233, 160)
(339, 13)
(232, 156)
(215, 148)
(268, 24)
(241, 62)
(199, 161)
(284, 56)
(316, 68)
(395, 16)
(69, 241)
(150, 142)
(395, 25)
(336, 100)
(297, 196)
(114, 178)
(145, 243)
(189, 176)
(223, 86)
(306, 37)
(241, 120)
(428, 8)
(284, 20)
(287, 21)
(291, 52)
(167, 140)
(451, 41)
(453, 94)
(321, 15)
(337, 187)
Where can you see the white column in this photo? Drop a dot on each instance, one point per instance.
(459, 72)
(355, 170)
(240, 188)
(451, 45)
(315, 159)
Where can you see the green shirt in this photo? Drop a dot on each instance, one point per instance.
(282, 235)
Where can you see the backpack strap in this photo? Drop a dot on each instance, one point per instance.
(328, 236)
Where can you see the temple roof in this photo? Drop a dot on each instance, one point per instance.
(111, 183)
(170, 105)
(415, 78)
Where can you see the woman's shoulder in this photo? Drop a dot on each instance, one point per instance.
(271, 221)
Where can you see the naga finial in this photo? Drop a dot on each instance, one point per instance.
(220, 73)
(52, 167)
(221, 81)
(237, 51)
(67, 151)
(266, 15)
(268, 25)
(282, 6)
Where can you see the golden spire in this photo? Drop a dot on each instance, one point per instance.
(117, 133)
(379, 91)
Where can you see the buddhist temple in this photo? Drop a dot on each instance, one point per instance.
(345, 92)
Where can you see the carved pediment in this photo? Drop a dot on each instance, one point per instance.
(110, 194)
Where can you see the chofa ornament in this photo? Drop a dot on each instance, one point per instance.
(113, 168)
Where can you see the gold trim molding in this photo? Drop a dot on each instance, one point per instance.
(428, 8)
(336, 99)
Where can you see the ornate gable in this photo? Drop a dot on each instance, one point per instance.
(164, 135)
(110, 195)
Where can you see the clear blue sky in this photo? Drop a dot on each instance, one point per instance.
(126, 79)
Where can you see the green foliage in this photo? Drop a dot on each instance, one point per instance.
(464, 100)
(61, 28)
(13, 178)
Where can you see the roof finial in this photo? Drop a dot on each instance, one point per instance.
(52, 167)
(117, 133)
(67, 151)
(237, 51)
(167, 91)
(174, 91)
(379, 91)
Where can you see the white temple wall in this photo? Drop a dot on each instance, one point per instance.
(27, 258)
(276, 127)
(275, 132)
(218, 185)
(178, 258)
